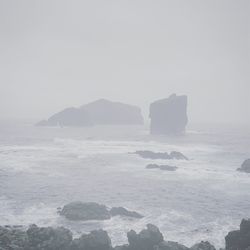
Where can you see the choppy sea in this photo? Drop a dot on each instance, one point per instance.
(42, 169)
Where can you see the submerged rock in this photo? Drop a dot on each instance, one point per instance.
(169, 116)
(161, 167)
(124, 212)
(239, 239)
(85, 211)
(245, 166)
(147, 154)
(100, 112)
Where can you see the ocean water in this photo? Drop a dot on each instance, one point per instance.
(42, 169)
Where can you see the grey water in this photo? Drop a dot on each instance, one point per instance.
(41, 169)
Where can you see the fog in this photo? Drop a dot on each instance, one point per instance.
(57, 54)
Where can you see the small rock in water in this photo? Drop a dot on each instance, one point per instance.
(146, 154)
(85, 211)
(161, 167)
(204, 245)
(245, 166)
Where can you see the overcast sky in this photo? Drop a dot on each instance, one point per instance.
(55, 54)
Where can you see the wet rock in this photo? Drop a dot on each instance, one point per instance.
(41, 238)
(124, 212)
(169, 116)
(245, 166)
(147, 154)
(203, 245)
(96, 240)
(170, 245)
(146, 239)
(85, 211)
(161, 167)
(239, 239)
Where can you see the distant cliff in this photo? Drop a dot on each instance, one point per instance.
(100, 112)
(169, 116)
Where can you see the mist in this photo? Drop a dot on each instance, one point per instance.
(58, 54)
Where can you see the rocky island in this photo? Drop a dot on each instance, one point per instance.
(100, 112)
(169, 116)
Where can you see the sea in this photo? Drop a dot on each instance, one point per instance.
(44, 168)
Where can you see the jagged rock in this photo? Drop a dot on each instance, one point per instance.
(161, 167)
(203, 245)
(95, 240)
(147, 154)
(124, 212)
(11, 238)
(85, 211)
(146, 239)
(170, 245)
(96, 113)
(41, 238)
(239, 239)
(169, 116)
(245, 166)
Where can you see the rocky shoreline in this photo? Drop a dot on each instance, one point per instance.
(48, 238)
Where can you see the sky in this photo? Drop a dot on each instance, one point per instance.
(61, 53)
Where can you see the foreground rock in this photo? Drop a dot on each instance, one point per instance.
(85, 211)
(100, 112)
(161, 167)
(169, 116)
(121, 211)
(239, 239)
(93, 211)
(48, 238)
(245, 166)
(147, 154)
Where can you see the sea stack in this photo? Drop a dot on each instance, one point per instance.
(169, 116)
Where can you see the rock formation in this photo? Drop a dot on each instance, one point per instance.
(146, 154)
(100, 112)
(239, 239)
(93, 211)
(245, 166)
(161, 167)
(169, 116)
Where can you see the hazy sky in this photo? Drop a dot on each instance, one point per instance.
(55, 54)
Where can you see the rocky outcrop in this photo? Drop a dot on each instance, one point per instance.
(203, 245)
(170, 245)
(121, 211)
(161, 167)
(100, 112)
(245, 166)
(93, 211)
(169, 116)
(85, 211)
(146, 154)
(147, 239)
(239, 239)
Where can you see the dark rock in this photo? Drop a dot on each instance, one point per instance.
(245, 166)
(96, 113)
(147, 154)
(85, 211)
(41, 238)
(146, 239)
(124, 212)
(170, 245)
(161, 167)
(239, 239)
(204, 245)
(169, 116)
(106, 112)
(96, 240)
